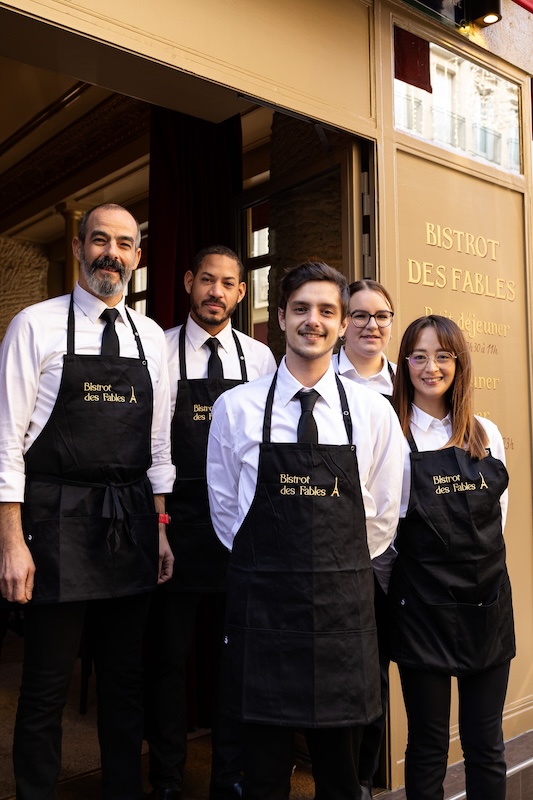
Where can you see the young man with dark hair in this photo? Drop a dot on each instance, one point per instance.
(304, 473)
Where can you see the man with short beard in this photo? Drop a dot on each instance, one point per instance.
(215, 284)
(84, 467)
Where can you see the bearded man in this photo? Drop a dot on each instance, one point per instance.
(84, 467)
(206, 357)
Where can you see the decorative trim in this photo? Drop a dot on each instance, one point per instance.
(112, 124)
(45, 115)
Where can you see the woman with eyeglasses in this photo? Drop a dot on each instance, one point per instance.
(449, 594)
(362, 359)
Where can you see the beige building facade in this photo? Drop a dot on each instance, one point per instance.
(436, 206)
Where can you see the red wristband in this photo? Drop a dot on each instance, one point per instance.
(164, 519)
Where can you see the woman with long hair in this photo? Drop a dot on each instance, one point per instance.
(449, 594)
(362, 359)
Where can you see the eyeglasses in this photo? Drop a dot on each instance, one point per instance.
(361, 318)
(441, 359)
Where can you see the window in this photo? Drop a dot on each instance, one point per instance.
(138, 285)
(467, 109)
(258, 268)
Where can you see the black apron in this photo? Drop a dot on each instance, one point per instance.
(450, 595)
(201, 560)
(300, 646)
(88, 517)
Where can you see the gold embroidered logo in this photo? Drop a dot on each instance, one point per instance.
(483, 484)
(201, 413)
(94, 392)
(133, 399)
(446, 484)
(301, 486)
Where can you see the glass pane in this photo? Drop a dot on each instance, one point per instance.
(258, 287)
(259, 243)
(139, 280)
(140, 306)
(470, 110)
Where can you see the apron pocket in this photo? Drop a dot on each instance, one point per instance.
(456, 638)
(301, 679)
(347, 684)
(71, 557)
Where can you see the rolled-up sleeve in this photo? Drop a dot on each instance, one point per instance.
(223, 473)
(382, 479)
(162, 472)
(20, 367)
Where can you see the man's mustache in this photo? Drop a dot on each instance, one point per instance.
(105, 262)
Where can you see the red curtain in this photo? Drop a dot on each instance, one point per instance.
(195, 172)
(411, 59)
(527, 4)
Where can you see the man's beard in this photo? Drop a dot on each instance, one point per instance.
(207, 318)
(105, 287)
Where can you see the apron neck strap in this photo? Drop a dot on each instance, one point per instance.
(346, 416)
(137, 337)
(71, 329)
(411, 442)
(183, 366)
(70, 326)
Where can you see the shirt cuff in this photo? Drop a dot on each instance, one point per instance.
(12, 486)
(162, 477)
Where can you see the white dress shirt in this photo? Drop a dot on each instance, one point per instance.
(257, 356)
(31, 366)
(380, 382)
(236, 432)
(430, 433)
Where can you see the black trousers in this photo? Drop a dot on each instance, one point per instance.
(52, 636)
(481, 701)
(269, 760)
(373, 734)
(169, 637)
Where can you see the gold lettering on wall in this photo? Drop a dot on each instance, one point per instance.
(460, 241)
(458, 279)
(439, 276)
(484, 334)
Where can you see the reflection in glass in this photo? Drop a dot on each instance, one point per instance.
(136, 289)
(258, 276)
(470, 110)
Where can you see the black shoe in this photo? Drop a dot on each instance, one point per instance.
(165, 794)
(233, 792)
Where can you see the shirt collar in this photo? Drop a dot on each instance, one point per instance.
(197, 336)
(346, 366)
(425, 421)
(287, 385)
(92, 306)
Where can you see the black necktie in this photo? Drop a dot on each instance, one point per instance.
(214, 365)
(109, 336)
(307, 430)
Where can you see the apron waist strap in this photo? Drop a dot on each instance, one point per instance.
(112, 508)
(43, 477)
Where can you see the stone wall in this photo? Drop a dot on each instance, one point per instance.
(23, 278)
